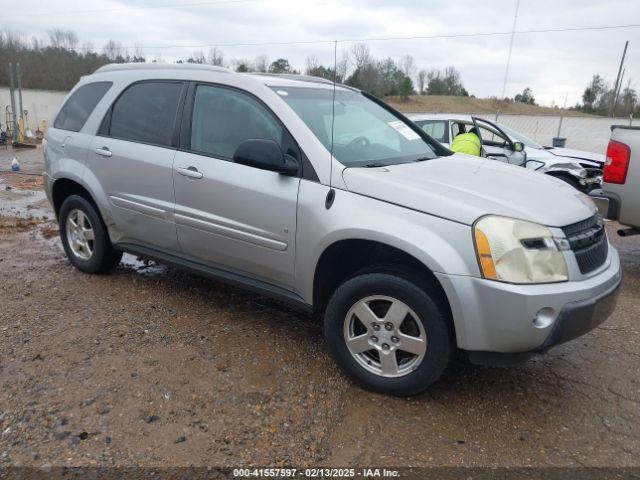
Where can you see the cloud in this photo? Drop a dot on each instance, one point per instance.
(552, 64)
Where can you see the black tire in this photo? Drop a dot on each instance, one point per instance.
(104, 257)
(426, 306)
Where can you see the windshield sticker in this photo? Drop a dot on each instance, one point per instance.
(404, 130)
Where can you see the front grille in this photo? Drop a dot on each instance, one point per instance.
(588, 242)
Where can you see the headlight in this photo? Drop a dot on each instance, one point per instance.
(516, 251)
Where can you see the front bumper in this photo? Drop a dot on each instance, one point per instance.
(493, 318)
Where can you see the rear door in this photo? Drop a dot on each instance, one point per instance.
(231, 216)
(132, 158)
(66, 140)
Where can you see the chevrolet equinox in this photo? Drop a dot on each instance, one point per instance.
(324, 196)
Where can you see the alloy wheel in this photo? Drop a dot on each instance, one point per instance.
(80, 235)
(385, 336)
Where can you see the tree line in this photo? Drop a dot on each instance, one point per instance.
(600, 98)
(58, 61)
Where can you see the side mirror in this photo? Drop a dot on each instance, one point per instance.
(518, 147)
(266, 155)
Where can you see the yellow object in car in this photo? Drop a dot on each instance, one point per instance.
(468, 143)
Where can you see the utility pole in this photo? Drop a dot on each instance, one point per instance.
(513, 32)
(617, 93)
(12, 93)
(19, 87)
(615, 88)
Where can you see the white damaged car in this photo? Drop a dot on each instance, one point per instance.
(581, 169)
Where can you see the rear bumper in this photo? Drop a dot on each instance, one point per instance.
(608, 204)
(48, 186)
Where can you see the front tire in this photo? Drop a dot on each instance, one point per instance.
(84, 237)
(387, 333)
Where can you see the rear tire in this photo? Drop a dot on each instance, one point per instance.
(396, 315)
(85, 238)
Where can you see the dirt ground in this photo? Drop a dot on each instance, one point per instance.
(154, 367)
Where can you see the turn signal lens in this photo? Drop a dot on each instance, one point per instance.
(617, 163)
(484, 255)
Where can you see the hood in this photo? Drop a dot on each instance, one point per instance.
(595, 159)
(463, 188)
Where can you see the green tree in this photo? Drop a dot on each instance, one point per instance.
(445, 82)
(406, 88)
(281, 65)
(592, 98)
(525, 97)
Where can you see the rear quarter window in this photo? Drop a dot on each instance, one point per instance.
(76, 110)
(146, 112)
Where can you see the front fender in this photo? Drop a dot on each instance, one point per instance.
(441, 245)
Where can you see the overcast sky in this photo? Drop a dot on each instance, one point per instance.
(552, 64)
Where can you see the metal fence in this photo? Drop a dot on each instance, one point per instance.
(582, 133)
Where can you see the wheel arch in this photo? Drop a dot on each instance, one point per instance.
(345, 258)
(66, 185)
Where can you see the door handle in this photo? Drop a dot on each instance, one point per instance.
(191, 172)
(103, 151)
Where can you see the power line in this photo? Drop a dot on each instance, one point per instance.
(489, 34)
(135, 7)
(380, 39)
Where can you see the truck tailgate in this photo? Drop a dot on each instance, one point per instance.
(623, 190)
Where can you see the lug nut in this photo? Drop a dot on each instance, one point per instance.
(385, 346)
(374, 339)
(395, 339)
(376, 327)
(388, 326)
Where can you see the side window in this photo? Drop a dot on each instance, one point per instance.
(146, 112)
(435, 129)
(223, 118)
(491, 136)
(79, 106)
(457, 128)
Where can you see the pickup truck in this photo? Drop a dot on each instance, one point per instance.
(621, 179)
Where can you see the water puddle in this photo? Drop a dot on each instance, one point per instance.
(148, 268)
(26, 204)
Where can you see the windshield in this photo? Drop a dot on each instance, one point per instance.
(518, 137)
(364, 133)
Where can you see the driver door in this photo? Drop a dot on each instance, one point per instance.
(231, 216)
(496, 144)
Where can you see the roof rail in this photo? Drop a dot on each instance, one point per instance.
(295, 76)
(114, 67)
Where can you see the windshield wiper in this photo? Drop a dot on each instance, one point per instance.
(422, 159)
(375, 165)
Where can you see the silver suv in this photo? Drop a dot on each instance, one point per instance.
(326, 197)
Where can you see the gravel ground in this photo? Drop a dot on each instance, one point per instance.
(154, 367)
